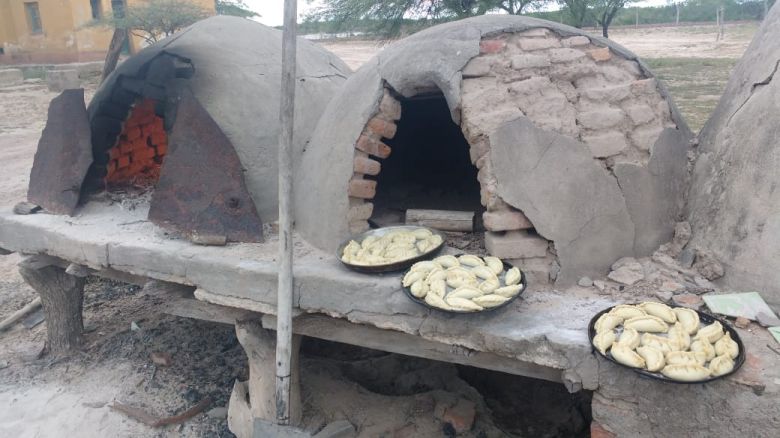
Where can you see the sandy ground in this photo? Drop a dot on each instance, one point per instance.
(647, 42)
(42, 397)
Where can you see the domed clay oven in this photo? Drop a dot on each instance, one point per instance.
(566, 144)
(195, 117)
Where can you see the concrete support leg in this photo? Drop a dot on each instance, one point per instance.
(62, 298)
(256, 398)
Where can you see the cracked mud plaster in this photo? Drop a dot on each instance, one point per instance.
(555, 181)
(735, 175)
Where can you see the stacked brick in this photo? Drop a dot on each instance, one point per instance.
(140, 148)
(368, 146)
(563, 84)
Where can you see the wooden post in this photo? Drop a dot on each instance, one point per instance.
(717, 23)
(258, 344)
(284, 301)
(636, 11)
(677, 18)
(62, 296)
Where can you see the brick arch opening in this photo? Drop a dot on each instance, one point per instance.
(412, 155)
(429, 167)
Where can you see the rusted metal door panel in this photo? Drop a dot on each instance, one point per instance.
(64, 155)
(201, 190)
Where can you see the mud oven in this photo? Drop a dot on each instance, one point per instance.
(567, 149)
(564, 145)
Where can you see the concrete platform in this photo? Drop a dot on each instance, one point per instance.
(544, 328)
(542, 336)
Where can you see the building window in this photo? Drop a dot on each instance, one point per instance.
(33, 17)
(97, 9)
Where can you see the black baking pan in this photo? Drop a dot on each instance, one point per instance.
(507, 266)
(390, 267)
(703, 318)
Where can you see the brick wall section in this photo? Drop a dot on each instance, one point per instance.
(369, 144)
(562, 84)
(140, 148)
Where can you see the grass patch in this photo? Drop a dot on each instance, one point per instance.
(696, 84)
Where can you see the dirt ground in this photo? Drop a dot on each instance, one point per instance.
(42, 397)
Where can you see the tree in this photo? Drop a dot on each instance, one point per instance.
(604, 12)
(388, 16)
(236, 8)
(153, 20)
(578, 10)
(517, 7)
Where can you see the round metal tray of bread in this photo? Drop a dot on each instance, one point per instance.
(394, 265)
(506, 267)
(704, 320)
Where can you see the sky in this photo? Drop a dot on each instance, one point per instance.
(272, 11)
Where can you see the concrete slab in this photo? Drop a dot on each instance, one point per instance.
(544, 332)
(544, 328)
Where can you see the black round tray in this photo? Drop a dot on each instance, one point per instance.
(507, 266)
(391, 267)
(704, 318)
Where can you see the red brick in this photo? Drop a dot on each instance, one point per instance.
(461, 416)
(362, 188)
(505, 220)
(360, 212)
(159, 137)
(515, 245)
(123, 161)
(124, 147)
(390, 107)
(140, 143)
(373, 147)
(601, 54)
(491, 46)
(133, 132)
(144, 154)
(598, 431)
(367, 166)
(381, 128)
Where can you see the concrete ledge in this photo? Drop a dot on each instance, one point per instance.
(545, 329)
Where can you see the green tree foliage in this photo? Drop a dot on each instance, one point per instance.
(236, 8)
(153, 20)
(691, 11)
(578, 11)
(604, 11)
(397, 16)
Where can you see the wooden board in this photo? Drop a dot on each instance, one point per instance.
(339, 330)
(444, 220)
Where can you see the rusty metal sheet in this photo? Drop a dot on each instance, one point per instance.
(64, 155)
(201, 190)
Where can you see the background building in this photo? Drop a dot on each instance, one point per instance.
(57, 31)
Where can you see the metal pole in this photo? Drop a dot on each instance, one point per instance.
(284, 300)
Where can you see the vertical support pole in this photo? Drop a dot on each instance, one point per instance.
(284, 299)
(677, 18)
